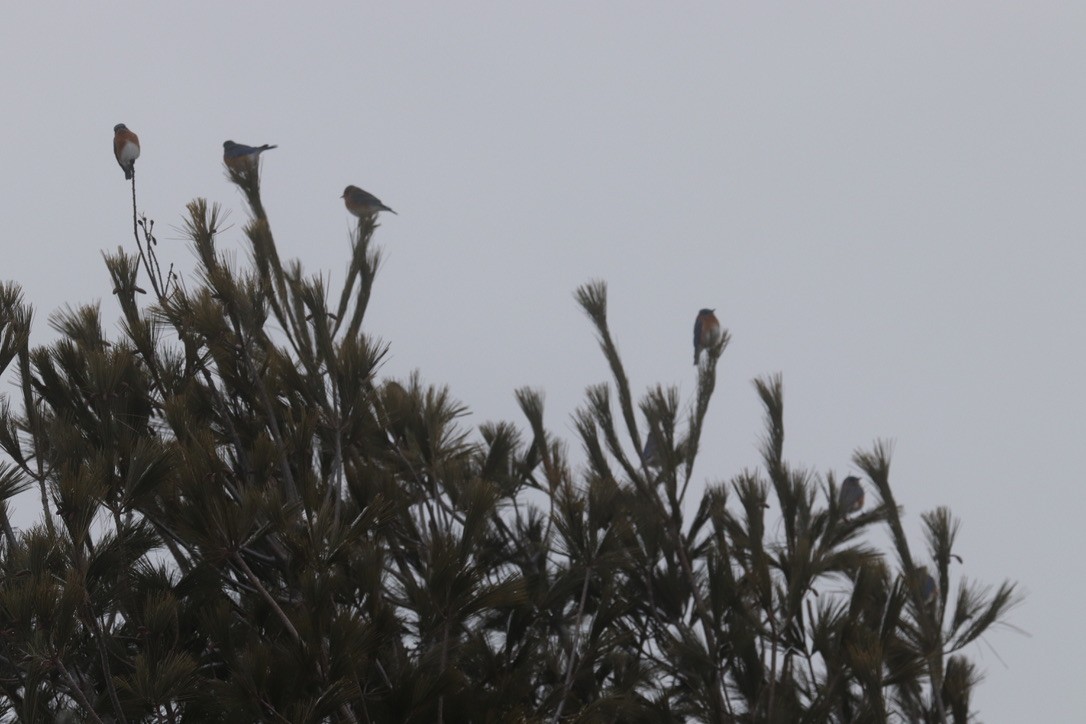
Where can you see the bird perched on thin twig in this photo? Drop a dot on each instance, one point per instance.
(706, 331)
(362, 203)
(851, 497)
(126, 147)
(238, 156)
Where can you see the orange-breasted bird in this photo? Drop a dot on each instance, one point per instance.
(238, 156)
(706, 330)
(851, 497)
(126, 147)
(362, 203)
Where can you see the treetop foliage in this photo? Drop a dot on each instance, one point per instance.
(242, 521)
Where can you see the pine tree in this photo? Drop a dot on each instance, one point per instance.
(242, 522)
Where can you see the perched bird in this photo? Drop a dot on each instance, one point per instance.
(651, 455)
(362, 203)
(395, 404)
(929, 589)
(238, 156)
(706, 330)
(126, 147)
(851, 497)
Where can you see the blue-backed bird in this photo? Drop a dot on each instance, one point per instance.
(651, 456)
(706, 331)
(126, 147)
(929, 589)
(851, 497)
(362, 203)
(238, 156)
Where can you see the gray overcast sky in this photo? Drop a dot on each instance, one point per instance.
(883, 202)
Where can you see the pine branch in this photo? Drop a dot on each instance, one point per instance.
(593, 300)
(876, 464)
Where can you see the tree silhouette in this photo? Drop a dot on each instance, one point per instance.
(242, 522)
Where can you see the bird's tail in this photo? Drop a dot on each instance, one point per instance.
(128, 174)
(385, 208)
(268, 146)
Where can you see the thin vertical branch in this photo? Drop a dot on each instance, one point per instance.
(78, 692)
(572, 661)
(34, 422)
(593, 300)
(255, 582)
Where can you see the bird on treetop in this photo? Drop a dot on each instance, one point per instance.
(238, 156)
(652, 455)
(929, 589)
(126, 147)
(706, 331)
(362, 203)
(851, 497)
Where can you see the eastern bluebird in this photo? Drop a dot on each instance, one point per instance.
(238, 156)
(851, 497)
(706, 331)
(650, 456)
(126, 147)
(929, 589)
(361, 203)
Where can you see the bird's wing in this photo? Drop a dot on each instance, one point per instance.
(239, 149)
(365, 197)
